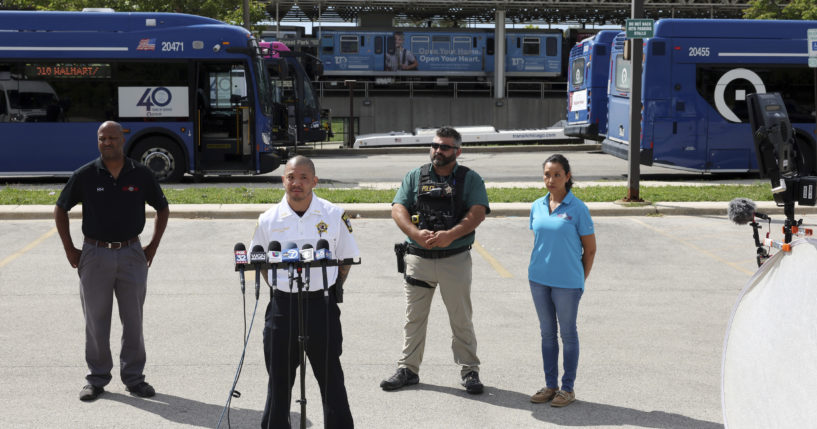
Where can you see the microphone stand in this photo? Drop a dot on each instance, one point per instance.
(762, 253)
(326, 357)
(302, 339)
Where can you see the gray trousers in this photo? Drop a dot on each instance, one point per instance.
(104, 273)
(452, 275)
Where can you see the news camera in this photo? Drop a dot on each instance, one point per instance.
(779, 157)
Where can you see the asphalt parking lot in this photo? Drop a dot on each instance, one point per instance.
(651, 324)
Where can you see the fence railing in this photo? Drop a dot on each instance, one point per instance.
(438, 88)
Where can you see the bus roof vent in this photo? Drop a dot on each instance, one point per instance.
(97, 9)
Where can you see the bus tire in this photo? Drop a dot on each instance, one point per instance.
(162, 156)
(806, 156)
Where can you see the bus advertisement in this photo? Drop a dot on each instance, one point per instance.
(454, 53)
(191, 93)
(588, 71)
(697, 74)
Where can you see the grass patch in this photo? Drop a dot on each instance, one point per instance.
(243, 195)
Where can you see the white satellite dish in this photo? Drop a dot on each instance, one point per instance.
(769, 367)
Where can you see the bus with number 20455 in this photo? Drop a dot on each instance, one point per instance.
(697, 74)
(191, 93)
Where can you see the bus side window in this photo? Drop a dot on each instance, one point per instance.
(3, 108)
(489, 46)
(328, 44)
(378, 45)
(658, 48)
(551, 46)
(348, 44)
(530, 46)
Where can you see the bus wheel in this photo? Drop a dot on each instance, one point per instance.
(162, 157)
(806, 158)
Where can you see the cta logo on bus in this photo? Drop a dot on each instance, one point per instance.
(740, 95)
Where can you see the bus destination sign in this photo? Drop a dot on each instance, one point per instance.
(69, 71)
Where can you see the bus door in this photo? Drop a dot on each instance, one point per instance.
(223, 126)
(675, 120)
(618, 119)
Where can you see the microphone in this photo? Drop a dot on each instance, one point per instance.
(322, 253)
(307, 256)
(274, 258)
(742, 211)
(291, 256)
(258, 258)
(241, 261)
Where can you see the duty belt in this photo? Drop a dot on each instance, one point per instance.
(435, 254)
(308, 294)
(112, 244)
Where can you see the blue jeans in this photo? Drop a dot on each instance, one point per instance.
(562, 304)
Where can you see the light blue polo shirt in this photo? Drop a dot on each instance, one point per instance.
(556, 259)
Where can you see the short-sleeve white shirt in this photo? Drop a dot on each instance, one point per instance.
(321, 220)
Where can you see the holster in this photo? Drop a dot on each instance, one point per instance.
(400, 253)
(338, 293)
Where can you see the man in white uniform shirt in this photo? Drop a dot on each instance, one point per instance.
(303, 218)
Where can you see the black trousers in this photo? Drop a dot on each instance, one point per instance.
(281, 353)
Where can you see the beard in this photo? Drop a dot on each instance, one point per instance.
(440, 160)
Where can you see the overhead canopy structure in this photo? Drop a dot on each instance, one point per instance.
(516, 11)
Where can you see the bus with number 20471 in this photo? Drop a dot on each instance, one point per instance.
(191, 93)
(697, 74)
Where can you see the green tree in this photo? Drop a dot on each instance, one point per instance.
(224, 10)
(771, 9)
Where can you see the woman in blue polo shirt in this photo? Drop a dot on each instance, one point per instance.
(564, 246)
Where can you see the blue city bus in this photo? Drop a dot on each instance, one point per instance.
(588, 71)
(451, 53)
(192, 93)
(697, 73)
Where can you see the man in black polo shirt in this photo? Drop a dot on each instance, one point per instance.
(113, 191)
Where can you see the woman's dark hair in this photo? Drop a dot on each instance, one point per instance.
(561, 160)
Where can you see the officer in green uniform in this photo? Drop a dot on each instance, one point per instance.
(438, 207)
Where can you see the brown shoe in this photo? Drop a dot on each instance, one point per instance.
(544, 394)
(563, 399)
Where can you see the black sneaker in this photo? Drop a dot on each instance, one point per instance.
(142, 390)
(90, 392)
(472, 383)
(403, 377)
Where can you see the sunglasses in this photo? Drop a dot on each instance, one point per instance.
(436, 146)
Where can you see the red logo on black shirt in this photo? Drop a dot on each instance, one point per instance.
(130, 188)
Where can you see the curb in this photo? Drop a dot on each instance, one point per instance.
(313, 152)
(383, 210)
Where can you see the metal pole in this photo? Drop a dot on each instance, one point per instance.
(351, 85)
(499, 55)
(246, 6)
(635, 111)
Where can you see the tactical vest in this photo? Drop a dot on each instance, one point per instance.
(440, 206)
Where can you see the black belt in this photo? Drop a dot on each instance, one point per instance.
(112, 244)
(435, 254)
(309, 295)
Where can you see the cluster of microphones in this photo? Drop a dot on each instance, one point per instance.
(290, 257)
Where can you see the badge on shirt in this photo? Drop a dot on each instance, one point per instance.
(347, 222)
(322, 227)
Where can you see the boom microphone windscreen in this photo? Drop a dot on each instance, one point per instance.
(741, 211)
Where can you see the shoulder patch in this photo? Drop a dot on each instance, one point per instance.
(348, 223)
